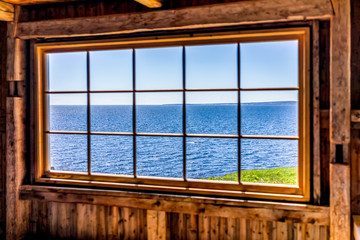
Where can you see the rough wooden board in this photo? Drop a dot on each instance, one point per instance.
(156, 225)
(340, 73)
(6, 11)
(16, 209)
(243, 12)
(340, 201)
(316, 116)
(189, 205)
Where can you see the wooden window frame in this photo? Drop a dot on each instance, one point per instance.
(300, 192)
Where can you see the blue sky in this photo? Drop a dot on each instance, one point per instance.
(262, 65)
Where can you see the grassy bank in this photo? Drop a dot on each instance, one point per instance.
(281, 175)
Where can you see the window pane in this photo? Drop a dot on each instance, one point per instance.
(269, 113)
(159, 112)
(159, 156)
(67, 112)
(67, 71)
(112, 154)
(111, 112)
(211, 66)
(212, 158)
(211, 112)
(159, 68)
(269, 64)
(68, 152)
(111, 70)
(269, 161)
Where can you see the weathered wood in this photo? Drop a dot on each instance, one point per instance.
(340, 107)
(6, 11)
(156, 225)
(340, 201)
(211, 207)
(150, 3)
(243, 12)
(340, 73)
(316, 116)
(16, 210)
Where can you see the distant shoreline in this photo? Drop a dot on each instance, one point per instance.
(277, 103)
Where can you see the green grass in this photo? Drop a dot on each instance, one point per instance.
(281, 175)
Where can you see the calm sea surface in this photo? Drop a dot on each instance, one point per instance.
(162, 156)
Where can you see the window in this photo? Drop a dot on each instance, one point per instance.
(219, 114)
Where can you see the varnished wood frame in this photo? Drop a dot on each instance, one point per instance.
(253, 190)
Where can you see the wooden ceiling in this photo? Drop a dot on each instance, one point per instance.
(7, 6)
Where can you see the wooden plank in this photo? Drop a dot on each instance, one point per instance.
(316, 115)
(281, 231)
(340, 80)
(340, 201)
(242, 12)
(150, 3)
(156, 225)
(191, 226)
(16, 210)
(214, 228)
(222, 208)
(6, 11)
(204, 229)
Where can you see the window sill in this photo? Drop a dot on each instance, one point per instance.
(208, 206)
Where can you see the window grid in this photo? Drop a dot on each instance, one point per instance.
(184, 133)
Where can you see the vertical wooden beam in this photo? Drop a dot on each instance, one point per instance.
(17, 211)
(340, 120)
(339, 201)
(316, 115)
(156, 225)
(340, 73)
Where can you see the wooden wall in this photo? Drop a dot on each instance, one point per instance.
(3, 94)
(49, 219)
(83, 221)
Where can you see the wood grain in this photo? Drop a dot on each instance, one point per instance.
(243, 12)
(340, 201)
(340, 73)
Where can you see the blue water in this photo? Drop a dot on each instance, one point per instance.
(162, 156)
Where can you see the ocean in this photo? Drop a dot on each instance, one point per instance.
(163, 156)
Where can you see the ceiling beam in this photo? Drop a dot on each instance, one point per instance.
(150, 3)
(227, 14)
(6, 11)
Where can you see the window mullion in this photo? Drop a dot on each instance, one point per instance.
(88, 112)
(134, 111)
(184, 112)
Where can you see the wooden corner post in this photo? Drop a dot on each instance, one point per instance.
(340, 120)
(16, 209)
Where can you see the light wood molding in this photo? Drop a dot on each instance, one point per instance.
(299, 192)
(243, 12)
